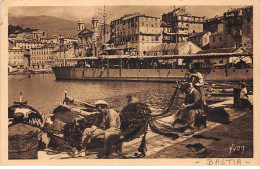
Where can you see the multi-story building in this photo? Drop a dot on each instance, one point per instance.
(213, 25)
(201, 39)
(27, 44)
(216, 40)
(41, 57)
(136, 33)
(66, 52)
(17, 58)
(179, 25)
(238, 27)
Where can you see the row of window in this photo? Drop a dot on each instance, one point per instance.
(35, 62)
(135, 39)
(41, 52)
(41, 58)
(133, 32)
(15, 53)
(16, 62)
(16, 57)
(134, 25)
(132, 20)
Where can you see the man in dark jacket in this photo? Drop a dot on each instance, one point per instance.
(191, 108)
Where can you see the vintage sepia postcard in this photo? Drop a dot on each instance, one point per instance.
(144, 82)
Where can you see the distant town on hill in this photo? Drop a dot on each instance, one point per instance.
(49, 24)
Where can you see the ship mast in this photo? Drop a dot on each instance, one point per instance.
(104, 15)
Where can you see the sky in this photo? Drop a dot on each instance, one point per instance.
(85, 13)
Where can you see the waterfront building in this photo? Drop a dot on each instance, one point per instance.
(238, 27)
(17, 58)
(62, 53)
(136, 33)
(27, 44)
(216, 40)
(213, 24)
(41, 57)
(179, 25)
(201, 39)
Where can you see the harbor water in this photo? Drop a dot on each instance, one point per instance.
(44, 92)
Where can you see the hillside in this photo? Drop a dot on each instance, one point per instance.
(51, 25)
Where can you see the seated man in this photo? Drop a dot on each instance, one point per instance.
(191, 108)
(107, 126)
(131, 99)
(245, 103)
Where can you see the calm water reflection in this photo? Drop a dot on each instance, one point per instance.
(45, 93)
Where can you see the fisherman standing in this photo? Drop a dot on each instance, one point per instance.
(106, 126)
(196, 78)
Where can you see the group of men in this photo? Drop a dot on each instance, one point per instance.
(108, 125)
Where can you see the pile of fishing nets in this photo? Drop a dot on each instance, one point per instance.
(73, 131)
(134, 120)
(217, 114)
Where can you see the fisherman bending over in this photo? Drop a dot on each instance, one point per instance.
(190, 109)
(106, 126)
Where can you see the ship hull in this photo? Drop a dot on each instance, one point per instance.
(155, 75)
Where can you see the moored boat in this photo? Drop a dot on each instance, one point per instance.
(166, 68)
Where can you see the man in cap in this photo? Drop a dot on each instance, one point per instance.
(106, 126)
(190, 109)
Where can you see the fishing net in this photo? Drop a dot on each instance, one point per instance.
(135, 120)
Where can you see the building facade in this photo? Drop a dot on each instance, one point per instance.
(180, 25)
(66, 52)
(238, 27)
(136, 33)
(17, 58)
(27, 44)
(216, 40)
(213, 25)
(41, 57)
(91, 40)
(201, 39)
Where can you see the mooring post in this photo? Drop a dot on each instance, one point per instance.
(21, 96)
